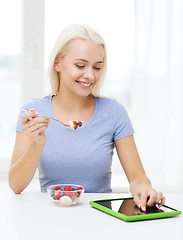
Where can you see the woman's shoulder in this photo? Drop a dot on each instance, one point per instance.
(37, 103)
(104, 100)
(109, 102)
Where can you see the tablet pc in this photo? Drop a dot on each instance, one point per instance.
(126, 209)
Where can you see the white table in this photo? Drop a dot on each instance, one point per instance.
(33, 216)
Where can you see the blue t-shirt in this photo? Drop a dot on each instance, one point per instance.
(82, 156)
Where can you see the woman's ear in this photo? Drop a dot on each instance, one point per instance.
(57, 64)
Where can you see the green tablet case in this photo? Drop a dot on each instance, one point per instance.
(124, 217)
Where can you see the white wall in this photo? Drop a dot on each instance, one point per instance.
(147, 83)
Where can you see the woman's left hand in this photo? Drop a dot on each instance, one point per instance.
(140, 185)
(147, 196)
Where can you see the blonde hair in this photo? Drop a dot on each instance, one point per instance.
(70, 33)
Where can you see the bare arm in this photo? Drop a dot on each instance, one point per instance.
(27, 151)
(140, 185)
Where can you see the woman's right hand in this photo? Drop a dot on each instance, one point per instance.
(27, 151)
(34, 126)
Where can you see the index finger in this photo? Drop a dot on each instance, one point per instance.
(162, 202)
(28, 114)
(143, 201)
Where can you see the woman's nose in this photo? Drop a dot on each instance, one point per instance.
(89, 74)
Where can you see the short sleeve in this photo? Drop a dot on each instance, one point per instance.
(121, 121)
(19, 124)
(19, 120)
(33, 104)
(42, 105)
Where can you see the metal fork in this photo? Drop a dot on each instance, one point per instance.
(49, 118)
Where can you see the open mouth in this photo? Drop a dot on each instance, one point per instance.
(84, 84)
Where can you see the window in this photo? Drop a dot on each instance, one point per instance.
(10, 25)
(114, 22)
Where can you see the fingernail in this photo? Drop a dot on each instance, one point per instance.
(32, 110)
(143, 208)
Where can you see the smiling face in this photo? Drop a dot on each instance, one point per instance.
(81, 67)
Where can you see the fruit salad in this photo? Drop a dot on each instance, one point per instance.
(74, 125)
(65, 195)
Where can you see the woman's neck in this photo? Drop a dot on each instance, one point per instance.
(72, 103)
(77, 108)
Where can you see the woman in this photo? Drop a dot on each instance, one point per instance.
(82, 156)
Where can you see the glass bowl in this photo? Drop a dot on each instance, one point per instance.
(65, 194)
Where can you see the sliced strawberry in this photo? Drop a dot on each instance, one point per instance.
(67, 189)
(79, 188)
(75, 125)
(57, 188)
(57, 196)
(58, 193)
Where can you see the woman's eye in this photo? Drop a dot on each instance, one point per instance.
(80, 66)
(83, 66)
(97, 68)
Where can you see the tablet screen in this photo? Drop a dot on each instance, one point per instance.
(129, 208)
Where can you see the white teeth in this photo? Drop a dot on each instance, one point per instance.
(85, 84)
